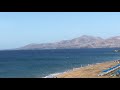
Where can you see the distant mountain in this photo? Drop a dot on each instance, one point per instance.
(84, 41)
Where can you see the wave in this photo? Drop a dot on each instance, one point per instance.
(52, 75)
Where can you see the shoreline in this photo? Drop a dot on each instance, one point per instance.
(54, 75)
(87, 71)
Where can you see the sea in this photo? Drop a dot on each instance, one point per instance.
(48, 63)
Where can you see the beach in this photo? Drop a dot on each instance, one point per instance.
(90, 71)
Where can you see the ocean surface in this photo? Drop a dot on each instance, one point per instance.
(47, 63)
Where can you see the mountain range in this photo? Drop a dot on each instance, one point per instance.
(84, 41)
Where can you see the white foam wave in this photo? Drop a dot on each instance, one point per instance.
(52, 75)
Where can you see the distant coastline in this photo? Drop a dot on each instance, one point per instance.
(81, 42)
(114, 48)
(84, 41)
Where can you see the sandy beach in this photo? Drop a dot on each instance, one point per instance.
(90, 71)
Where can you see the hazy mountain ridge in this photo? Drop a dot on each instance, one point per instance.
(84, 41)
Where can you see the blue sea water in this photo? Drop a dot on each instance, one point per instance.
(41, 63)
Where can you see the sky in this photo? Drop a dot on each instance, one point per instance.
(18, 29)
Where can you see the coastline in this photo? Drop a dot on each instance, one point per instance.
(89, 71)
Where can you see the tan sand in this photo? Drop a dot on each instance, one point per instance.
(90, 71)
